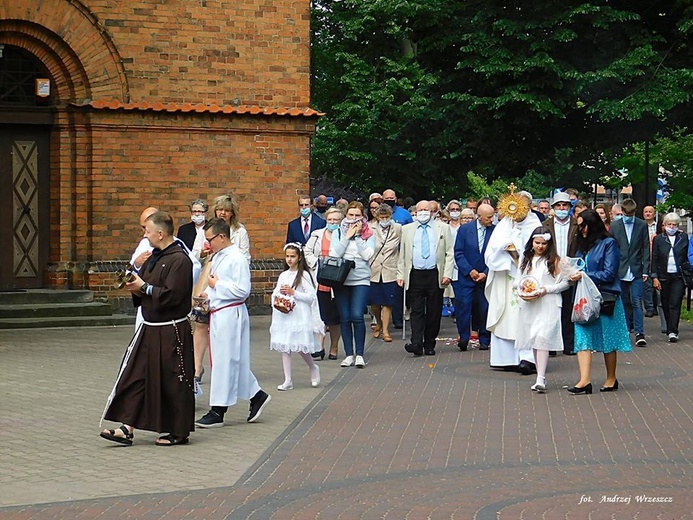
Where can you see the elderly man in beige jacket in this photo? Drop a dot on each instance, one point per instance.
(425, 266)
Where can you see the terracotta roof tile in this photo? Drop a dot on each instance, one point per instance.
(105, 104)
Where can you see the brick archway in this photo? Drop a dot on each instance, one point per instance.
(71, 42)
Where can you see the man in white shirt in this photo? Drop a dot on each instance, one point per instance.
(564, 230)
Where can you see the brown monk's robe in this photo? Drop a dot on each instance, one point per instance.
(154, 393)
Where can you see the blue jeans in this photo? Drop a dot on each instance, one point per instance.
(351, 301)
(631, 293)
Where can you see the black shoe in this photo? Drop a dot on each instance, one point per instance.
(552, 353)
(210, 420)
(413, 349)
(398, 326)
(316, 355)
(649, 314)
(483, 347)
(462, 345)
(526, 368)
(332, 356)
(430, 352)
(569, 353)
(640, 340)
(609, 388)
(257, 403)
(587, 389)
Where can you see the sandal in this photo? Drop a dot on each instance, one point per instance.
(110, 435)
(387, 338)
(376, 332)
(172, 440)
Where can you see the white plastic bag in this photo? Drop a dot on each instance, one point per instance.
(587, 302)
(569, 266)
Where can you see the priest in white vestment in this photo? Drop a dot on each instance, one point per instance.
(507, 241)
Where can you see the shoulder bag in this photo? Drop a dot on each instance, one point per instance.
(333, 271)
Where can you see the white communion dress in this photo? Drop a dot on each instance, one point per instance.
(300, 330)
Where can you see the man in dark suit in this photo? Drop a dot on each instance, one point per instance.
(470, 247)
(633, 240)
(299, 229)
(564, 230)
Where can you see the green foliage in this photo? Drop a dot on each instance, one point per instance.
(417, 92)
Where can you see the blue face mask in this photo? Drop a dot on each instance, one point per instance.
(617, 217)
(628, 220)
(573, 202)
(305, 212)
(561, 214)
(332, 227)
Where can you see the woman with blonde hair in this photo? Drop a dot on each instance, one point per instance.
(319, 245)
(226, 207)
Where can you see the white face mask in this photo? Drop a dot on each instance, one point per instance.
(455, 214)
(672, 231)
(198, 219)
(385, 223)
(423, 216)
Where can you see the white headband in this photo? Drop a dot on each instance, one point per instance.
(294, 245)
(545, 236)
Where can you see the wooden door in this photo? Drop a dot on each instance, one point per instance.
(24, 203)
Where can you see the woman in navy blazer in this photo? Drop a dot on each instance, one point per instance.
(669, 250)
(607, 334)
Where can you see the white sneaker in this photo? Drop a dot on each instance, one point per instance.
(315, 380)
(673, 337)
(359, 363)
(285, 386)
(348, 361)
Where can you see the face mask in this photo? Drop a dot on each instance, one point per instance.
(423, 216)
(455, 214)
(390, 203)
(305, 212)
(573, 202)
(385, 223)
(320, 209)
(332, 227)
(561, 214)
(617, 217)
(351, 220)
(198, 219)
(629, 220)
(672, 231)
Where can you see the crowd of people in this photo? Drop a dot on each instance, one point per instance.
(509, 268)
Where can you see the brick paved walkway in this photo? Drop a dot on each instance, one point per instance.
(432, 437)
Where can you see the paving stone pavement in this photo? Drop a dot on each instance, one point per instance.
(430, 437)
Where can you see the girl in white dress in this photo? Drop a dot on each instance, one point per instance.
(540, 305)
(296, 324)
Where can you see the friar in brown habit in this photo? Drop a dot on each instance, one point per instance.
(154, 388)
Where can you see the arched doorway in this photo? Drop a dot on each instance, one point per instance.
(25, 125)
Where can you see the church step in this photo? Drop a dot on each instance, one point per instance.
(47, 310)
(67, 322)
(39, 296)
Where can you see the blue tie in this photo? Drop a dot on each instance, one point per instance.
(425, 245)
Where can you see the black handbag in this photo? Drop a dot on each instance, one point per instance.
(608, 304)
(333, 271)
(687, 275)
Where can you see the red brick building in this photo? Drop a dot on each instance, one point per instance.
(107, 107)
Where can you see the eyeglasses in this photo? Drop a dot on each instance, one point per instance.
(198, 212)
(212, 238)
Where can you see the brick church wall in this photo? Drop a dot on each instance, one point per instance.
(108, 163)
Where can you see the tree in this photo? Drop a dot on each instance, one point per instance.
(419, 92)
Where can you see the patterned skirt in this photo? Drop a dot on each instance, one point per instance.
(607, 334)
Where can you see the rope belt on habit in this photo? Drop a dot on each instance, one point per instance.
(163, 323)
(212, 311)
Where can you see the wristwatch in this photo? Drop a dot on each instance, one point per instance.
(144, 288)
